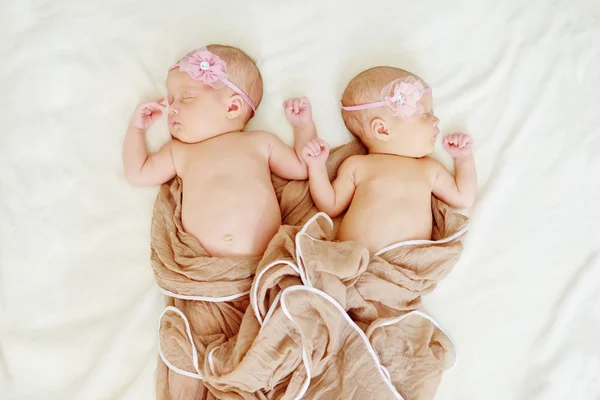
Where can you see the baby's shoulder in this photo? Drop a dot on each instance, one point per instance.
(178, 151)
(430, 162)
(431, 166)
(181, 152)
(260, 135)
(260, 138)
(357, 159)
(178, 148)
(352, 167)
(354, 163)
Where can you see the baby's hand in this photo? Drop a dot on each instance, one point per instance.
(315, 152)
(458, 145)
(298, 111)
(147, 113)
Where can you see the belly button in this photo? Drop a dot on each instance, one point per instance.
(228, 238)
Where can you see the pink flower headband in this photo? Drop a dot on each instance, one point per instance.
(202, 65)
(400, 97)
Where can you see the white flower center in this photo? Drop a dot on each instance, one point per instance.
(204, 66)
(400, 99)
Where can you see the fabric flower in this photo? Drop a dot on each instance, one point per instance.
(202, 65)
(401, 97)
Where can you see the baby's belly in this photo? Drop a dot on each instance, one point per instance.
(379, 225)
(231, 220)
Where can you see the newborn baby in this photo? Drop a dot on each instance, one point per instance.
(389, 190)
(229, 203)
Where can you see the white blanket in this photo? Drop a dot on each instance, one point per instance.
(78, 301)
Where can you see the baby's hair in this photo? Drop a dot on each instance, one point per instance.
(364, 88)
(242, 70)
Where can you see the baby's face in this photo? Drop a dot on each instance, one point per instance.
(415, 136)
(196, 110)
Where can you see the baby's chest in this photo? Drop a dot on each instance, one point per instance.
(211, 160)
(394, 175)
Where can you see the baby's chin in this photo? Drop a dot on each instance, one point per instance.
(429, 149)
(178, 132)
(423, 152)
(175, 132)
(185, 136)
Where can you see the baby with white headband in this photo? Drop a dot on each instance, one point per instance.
(389, 190)
(229, 203)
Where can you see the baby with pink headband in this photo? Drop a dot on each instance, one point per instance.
(388, 191)
(229, 203)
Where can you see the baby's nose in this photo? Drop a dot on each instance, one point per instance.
(435, 121)
(173, 110)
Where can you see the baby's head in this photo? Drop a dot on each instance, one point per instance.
(390, 110)
(212, 90)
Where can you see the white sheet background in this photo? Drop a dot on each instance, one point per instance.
(78, 300)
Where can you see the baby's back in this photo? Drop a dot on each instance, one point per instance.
(391, 203)
(229, 203)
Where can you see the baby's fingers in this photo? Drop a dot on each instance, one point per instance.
(303, 102)
(156, 115)
(314, 147)
(308, 149)
(318, 147)
(147, 108)
(322, 143)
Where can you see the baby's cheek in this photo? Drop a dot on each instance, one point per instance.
(426, 125)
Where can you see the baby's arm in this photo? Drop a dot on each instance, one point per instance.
(141, 169)
(330, 198)
(299, 113)
(283, 160)
(460, 190)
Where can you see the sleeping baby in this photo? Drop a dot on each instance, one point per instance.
(388, 191)
(229, 203)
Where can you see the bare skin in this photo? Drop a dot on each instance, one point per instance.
(229, 203)
(388, 192)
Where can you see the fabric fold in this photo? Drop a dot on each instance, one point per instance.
(313, 318)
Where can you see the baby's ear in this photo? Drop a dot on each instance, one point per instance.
(235, 106)
(379, 130)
